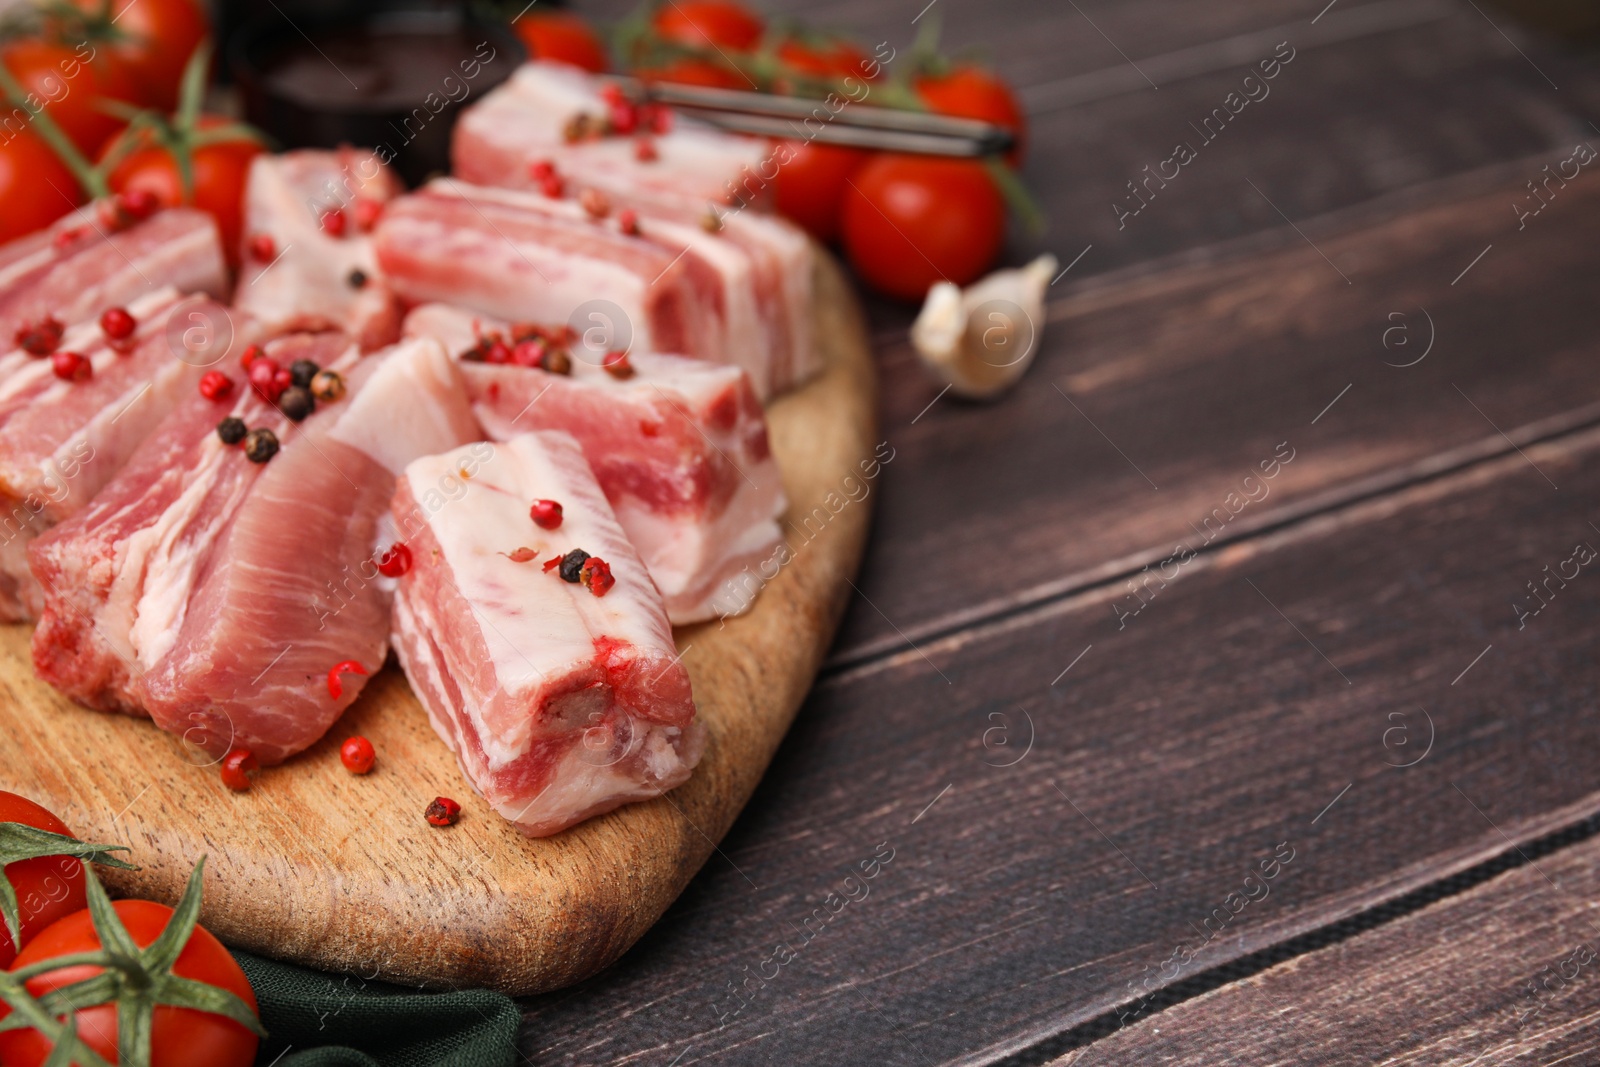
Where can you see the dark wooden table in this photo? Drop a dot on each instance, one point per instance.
(1154, 758)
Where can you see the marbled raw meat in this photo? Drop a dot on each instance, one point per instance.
(680, 450)
(214, 594)
(558, 703)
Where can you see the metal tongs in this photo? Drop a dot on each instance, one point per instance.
(856, 125)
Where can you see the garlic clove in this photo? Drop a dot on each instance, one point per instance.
(981, 340)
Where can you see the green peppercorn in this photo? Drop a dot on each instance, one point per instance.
(571, 568)
(327, 386)
(231, 430)
(260, 445)
(301, 371)
(297, 402)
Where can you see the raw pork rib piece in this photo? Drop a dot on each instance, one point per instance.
(525, 257)
(60, 441)
(307, 284)
(558, 703)
(76, 269)
(680, 450)
(214, 593)
(525, 120)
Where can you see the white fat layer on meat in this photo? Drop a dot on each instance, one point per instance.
(535, 625)
(696, 562)
(20, 372)
(386, 420)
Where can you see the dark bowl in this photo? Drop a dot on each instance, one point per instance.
(392, 77)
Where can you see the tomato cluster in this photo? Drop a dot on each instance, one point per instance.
(57, 920)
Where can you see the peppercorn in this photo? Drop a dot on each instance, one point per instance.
(301, 371)
(628, 222)
(357, 755)
(367, 213)
(546, 514)
(260, 445)
(297, 402)
(232, 430)
(596, 203)
(571, 567)
(557, 361)
(711, 222)
(644, 150)
(327, 386)
(263, 376)
(71, 366)
(117, 324)
(333, 222)
(237, 766)
(214, 385)
(40, 338)
(357, 279)
(263, 249)
(617, 365)
(596, 576)
(395, 562)
(442, 812)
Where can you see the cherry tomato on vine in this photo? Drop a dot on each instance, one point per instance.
(836, 58)
(974, 93)
(707, 23)
(180, 1037)
(36, 188)
(220, 172)
(811, 183)
(910, 221)
(70, 80)
(563, 37)
(49, 887)
(152, 38)
(688, 70)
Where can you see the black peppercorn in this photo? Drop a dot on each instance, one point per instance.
(556, 361)
(297, 402)
(358, 279)
(260, 445)
(231, 430)
(301, 371)
(571, 568)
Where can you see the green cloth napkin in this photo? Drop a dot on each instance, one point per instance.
(327, 1020)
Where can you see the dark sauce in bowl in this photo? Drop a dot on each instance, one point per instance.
(393, 80)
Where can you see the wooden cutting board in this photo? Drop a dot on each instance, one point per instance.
(341, 872)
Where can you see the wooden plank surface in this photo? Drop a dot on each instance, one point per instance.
(1157, 392)
(1502, 974)
(1250, 705)
(319, 866)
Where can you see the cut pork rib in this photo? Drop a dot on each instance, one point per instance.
(559, 704)
(76, 269)
(61, 441)
(679, 448)
(526, 120)
(304, 270)
(215, 594)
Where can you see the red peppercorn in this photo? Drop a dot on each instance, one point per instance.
(624, 117)
(138, 204)
(497, 352)
(333, 223)
(367, 212)
(552, 186)
(660, 118)
(117, 324)
(335, 684)
(263, 249)
(596, 203)
(264, 378)
(282, 378)
(617, 365)
(596, 576)
(237, 766)
(71, 366)
(65, 239)
(644, 150)
(529, 353)
(628, 221)
(214, 385)
(541, 169)
(250, 355)
(546, 514)
(357, 755)
(396, 561)
(612, 93)
(442, 812)
(40, 338)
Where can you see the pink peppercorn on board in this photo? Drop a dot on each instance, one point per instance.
(321, 867)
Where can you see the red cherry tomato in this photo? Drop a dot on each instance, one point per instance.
(704, 23)
(811, 183)
(832, 59)
(152, 38)
(690, 71)
(35, 186)
(180, 1037)
(47, 888)
(975, 93)
(220, 171)
(562, 37)
(70, 80)
(910, 221)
